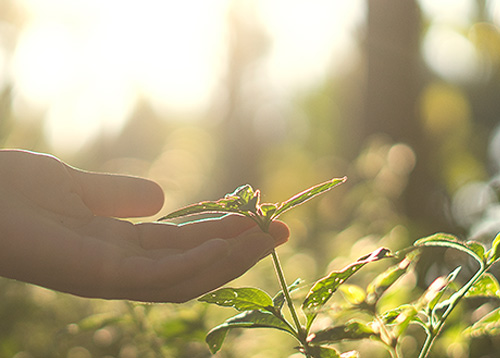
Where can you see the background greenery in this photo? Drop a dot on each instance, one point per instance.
(418, 138)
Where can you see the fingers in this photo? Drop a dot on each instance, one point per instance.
(162, 235)
(246, 251)
(118, 195)
(136, 277)
(49, 182)
(206, 267)
(115, 270)
(279, 231)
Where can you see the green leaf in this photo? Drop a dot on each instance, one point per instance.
(267, 210)
(247, 319)
(242, 299)
(488, 325)
(221, 206)
(352, 330)
(216, 337)
(323, 289)
(307, 195)
(486, 286)
(250, 199)
(437, 289)
(385, 280)
(401, 317)
(350, 354)
(474, 249)
(353, 294)
(279, 299)
(390, 317)
(494, 252)
(478, 248)
(243, 200)
(321, 352)
(244, 192)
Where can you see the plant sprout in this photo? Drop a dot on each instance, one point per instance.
(257, 309)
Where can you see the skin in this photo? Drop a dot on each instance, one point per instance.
(61, 229)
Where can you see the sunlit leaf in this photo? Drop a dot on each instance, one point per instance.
(400, 317)
(390, 317)
(436, 290)
(353, 294)
(247, 319)
(472, 248)
(385, 280)
(250, 199)
(350, 354)
(242, 299)
(486, 286)
(323, 289)
(243, 200)
(244, 192)
(226, 205)
(216, 337)
(488, 325)
(267, 210)
(307, 195)
(494, 252)
(352, 330)
(246, 201)
(322, 352)
(279, 299)
(477, 247)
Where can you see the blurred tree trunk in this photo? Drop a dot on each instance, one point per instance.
(240, 146)
(393, 84)
(393, 76)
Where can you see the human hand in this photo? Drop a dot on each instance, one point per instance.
(59, 229)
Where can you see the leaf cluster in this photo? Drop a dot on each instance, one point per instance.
(258, 309)
(246, 201)
(440, 299)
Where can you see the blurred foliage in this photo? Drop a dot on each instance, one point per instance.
(439, 171)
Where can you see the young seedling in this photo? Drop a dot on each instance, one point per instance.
(246, 201)
(438, 309)
(258, 309)
(264, 311)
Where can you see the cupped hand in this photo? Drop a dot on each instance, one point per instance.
(60, 229)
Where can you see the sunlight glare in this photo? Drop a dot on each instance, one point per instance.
(310, 37)
(450, 54)
(3, 68)
(44, 62)
(87, 63)
(450, 12)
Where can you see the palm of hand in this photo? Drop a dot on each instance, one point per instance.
(62, 232)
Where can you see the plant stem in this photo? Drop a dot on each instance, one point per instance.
(427, 345)
(384, 333)
(288, 299)
(433, 332)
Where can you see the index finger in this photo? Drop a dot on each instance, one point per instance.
(180, 278)
(162, 235)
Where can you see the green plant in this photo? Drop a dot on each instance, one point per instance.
(258, 309)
